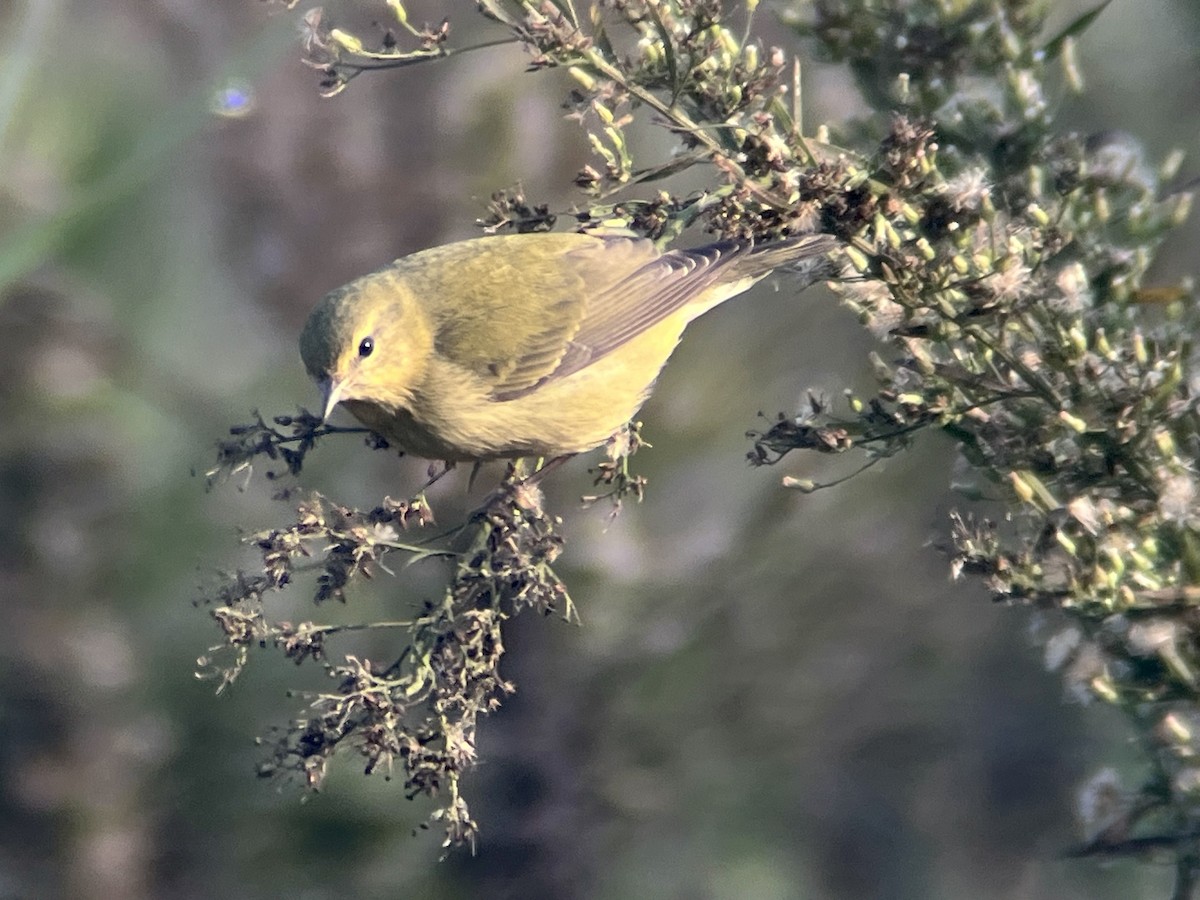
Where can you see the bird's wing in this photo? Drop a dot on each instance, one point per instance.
(624, 288)
(641, 300)
(525, 303)
(541, 312)
(667, 283)
(626, 307)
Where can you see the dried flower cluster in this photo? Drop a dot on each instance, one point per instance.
(419, 710)
(1006, 262)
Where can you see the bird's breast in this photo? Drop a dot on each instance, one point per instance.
(452, 415)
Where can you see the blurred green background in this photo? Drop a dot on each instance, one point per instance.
(772, 695)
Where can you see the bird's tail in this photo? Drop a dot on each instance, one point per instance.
(807, 257)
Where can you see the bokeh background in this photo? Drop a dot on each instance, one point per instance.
(771, 695)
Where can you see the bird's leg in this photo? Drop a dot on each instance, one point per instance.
(546, 467)
(520, 486)
(436, 472)
(474, 473)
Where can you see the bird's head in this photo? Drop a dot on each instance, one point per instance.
(368, 341)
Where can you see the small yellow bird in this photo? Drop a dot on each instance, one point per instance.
(526, 344)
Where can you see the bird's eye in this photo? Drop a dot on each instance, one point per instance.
(366, 347)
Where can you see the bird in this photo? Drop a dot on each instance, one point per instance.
(524, 345)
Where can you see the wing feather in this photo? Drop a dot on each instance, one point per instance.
(543, 307)
(636, 303)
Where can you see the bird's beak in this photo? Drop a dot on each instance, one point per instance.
(331, 395)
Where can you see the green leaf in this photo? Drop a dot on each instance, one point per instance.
(493, 10)
(1077, 27)
(668, 50)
